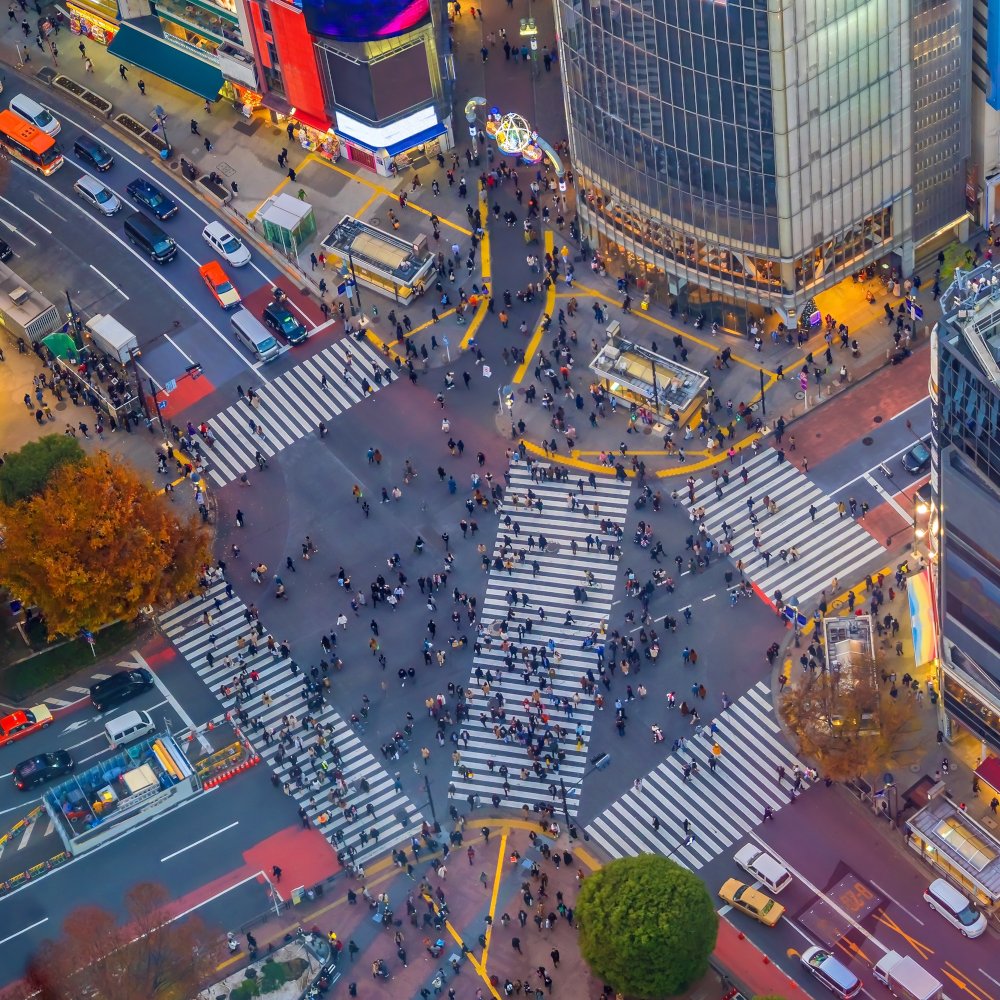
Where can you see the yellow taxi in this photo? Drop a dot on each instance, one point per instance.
(219, 284)
(752, 902)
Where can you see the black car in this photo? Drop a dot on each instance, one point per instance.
(44, 767)
(5, 251)
(120, 687)
(89, 149)
(917, 459)
(152, 198)
(280, 319)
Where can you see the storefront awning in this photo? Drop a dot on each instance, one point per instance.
(421, 137)
(310, 121)
(989, 772)
(158, 56)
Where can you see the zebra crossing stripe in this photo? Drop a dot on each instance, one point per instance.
(291, 406)
(828, 545)
(382, 809)
(566, 622)
(721, 806)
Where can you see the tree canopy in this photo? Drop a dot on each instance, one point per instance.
(96, 545)
(25, 473)
(647, 926)
(850, 731)
(147, 958)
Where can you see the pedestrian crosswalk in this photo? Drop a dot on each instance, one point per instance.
(384, 813)
(721, 806)
(560, 514)
(292, 405)
(827, 544)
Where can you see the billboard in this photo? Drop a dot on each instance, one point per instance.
(364, 20)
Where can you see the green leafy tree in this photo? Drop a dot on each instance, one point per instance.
(647, 926)
(25, 473)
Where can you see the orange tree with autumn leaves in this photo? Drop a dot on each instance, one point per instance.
(94, 544)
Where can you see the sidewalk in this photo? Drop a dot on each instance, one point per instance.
(482, 883)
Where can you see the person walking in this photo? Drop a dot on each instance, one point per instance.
(123, 72)
(239, 518)
(142, 87)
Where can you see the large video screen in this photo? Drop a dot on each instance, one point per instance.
(364, 20)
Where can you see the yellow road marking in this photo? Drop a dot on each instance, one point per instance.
(550, 304)
(501, 858)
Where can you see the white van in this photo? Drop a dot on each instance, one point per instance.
(763, 867)
(32, 111)
(254, 336)
(955, 908)
(128, 728)
(93, 192)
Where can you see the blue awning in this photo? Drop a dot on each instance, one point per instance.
(421, 137)
(158, 56)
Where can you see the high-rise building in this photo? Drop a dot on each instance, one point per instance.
(965, 481)
(985, 176)
(371, 81)
(750, 153)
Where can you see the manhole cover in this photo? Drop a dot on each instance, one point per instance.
(376, 220)
(646, 429)
(867, 440)
(553, 547)
(877, 419)
(800, 394)
(225, 168)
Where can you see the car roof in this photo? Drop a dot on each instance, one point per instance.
(217, 229)
(214, 270)
(141, 183)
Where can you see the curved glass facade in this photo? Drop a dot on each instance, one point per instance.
(757, 148)
(673, 101)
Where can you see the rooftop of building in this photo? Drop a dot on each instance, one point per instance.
(970, 324)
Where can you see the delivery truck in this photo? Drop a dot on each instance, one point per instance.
(906, 979)
(109, 336)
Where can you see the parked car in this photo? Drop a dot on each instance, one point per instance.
(150, 196)
(5, 251)
(44, 767)
(226, 244)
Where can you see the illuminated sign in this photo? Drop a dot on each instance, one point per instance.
(363, 20)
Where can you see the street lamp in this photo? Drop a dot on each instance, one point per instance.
(161, 125)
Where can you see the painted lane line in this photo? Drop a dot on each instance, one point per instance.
(14, 229)
(983, 971)
(199, 842)
(16, 208)
(197, 312)
(110, 282)
(912, 406)
(24, 930)
(889, 498)
(815, 889)
(851, 482)
(897, 902)
(173, 343)
(174, 703)
(211, 899)
(711, 597)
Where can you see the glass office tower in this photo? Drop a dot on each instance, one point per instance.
(965, 385)
(742, 152)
